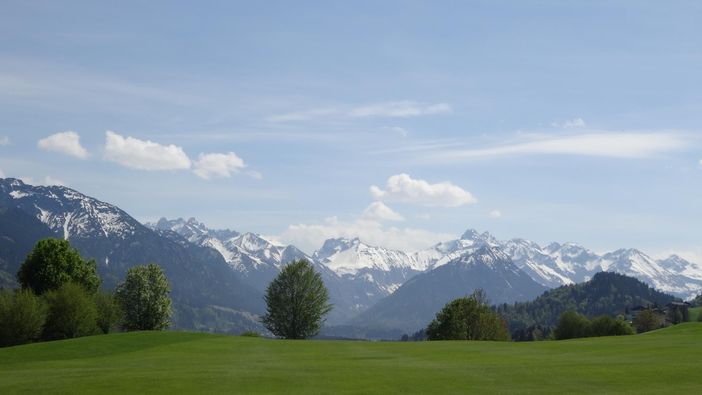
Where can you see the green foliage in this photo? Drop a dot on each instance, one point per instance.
(22, 317)
(109, 312)
(52, 263)
(297, 302)
(572, 325)
(72, 313)
(646, 320)
(251, 334)
(608, 326)
(468, 318)
(144, 298)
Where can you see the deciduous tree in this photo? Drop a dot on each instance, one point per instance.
(297, 302)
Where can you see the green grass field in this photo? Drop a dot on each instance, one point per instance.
(664, 361)
(695, 313)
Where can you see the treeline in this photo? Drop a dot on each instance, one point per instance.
(60, 298)
(607, 293)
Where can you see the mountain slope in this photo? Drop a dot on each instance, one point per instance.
(416, 302)
(199, 276)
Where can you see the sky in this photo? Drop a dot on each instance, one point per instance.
(403, 123)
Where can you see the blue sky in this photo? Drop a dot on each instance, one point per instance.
(548, 120)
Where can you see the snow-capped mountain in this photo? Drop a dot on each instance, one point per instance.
(369, 272)
(200, 279)
(257, 259)
(416, 302)
(67, 212)
(636, 264)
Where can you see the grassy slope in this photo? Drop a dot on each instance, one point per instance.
(170, 362)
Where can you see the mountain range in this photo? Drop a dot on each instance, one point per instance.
(218, 276)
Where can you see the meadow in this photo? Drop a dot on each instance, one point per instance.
(663, 361)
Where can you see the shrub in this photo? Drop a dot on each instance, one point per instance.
(608, 326)
(72, 313)
(251, 334)
(143, 296)
(52, 263)
(468, 318)
(22, 317)
(572, 325)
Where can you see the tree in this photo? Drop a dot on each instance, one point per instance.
(52, 263)
(468, 318)
(572, 325)
(646, 320)
(22, 317)
(297, 302)
(608, 326)
(109, 312)
(143, 296)
(72, 313)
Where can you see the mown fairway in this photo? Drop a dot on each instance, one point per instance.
(666, 361)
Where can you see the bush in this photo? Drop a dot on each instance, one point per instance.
(22, 317)
(144, 299)
(52, 263)
(109, 312)
(608, 326)
(251, 334)
(72, 313)
(572, 325)
(468, 318)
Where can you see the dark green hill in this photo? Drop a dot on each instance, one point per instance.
(606, 294)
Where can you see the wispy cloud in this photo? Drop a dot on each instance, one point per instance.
(393, 109)
(378, 211)
(570, 124)
(624, 145)
(4, 140)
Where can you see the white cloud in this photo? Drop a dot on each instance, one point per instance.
(405, 189)
(571, 124)
(496, 214)
(66, 143)
(394, 109)
(210, 166)
(378, 211)
(48, 180)
(2, 174)
(604, 144)
(399, 109)
(143, 154)
(310, 237)
(4, 140)
(700, 162)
